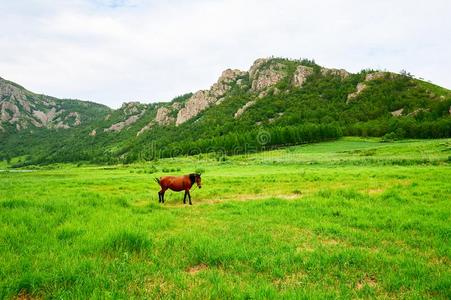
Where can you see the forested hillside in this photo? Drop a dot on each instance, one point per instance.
(276, 102)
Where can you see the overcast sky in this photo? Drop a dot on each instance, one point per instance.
(111, 51)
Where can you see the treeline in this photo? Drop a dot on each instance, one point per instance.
(402, 128)
(240, 142)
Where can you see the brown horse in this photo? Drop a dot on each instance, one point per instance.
(177, 184)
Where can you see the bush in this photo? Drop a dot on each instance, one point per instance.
(389, 137)
(152, 169)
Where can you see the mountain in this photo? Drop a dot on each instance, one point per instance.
(276, 102)
(21, 109)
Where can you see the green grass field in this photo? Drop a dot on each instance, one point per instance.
(354, 218)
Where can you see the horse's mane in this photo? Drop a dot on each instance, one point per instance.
(193, 177)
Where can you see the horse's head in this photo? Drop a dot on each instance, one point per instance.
(195, 178)
(198, 181)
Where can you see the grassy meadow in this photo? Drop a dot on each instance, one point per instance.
(354, 218)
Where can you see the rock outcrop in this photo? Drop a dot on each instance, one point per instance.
(24, 109)
(264, 74)
(258, 63)
(223, 85)
(145, 128)
(335, 72)
(264, 77)
(361, 86)
(196, 104)
(375, 75)
(163, 117)
(46, 117)
(130, 113)
(75, 115)
(397, 112)
(417, 111)
(301, 74)
(131, 108)
(176, 105)
(121, 125)
(241, 110)
(205, 98)
(9, 112)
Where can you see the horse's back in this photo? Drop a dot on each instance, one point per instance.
(176, 183)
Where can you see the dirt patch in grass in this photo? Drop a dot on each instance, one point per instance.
(196, 269)
(375, 191)
(366, 281)
(141, 203)
(439, 261)
(235, 198)
(250, 197)
(305, 248)
(24, 295)
(331, 242)
(259, 197)
(156, 287)
(291, 280)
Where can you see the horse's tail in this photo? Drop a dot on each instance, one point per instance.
(157, 180)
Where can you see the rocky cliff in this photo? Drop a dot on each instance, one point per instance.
(21, 109)
(130, 113)
(264, 74)
(205, 98)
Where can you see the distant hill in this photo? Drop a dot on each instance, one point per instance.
(21, 109)
(276, 102)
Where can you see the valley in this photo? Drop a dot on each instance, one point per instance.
(352, 218)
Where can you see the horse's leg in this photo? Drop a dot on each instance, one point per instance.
(162, 196)
(189, 197)
(184, 198)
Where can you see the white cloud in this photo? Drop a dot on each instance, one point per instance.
(112, 51)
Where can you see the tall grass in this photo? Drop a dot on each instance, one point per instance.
(323, 221)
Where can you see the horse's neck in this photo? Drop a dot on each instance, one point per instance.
(190, 184)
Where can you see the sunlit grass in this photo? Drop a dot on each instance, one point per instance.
(345, 219)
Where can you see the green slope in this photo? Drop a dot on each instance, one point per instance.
(283, 114)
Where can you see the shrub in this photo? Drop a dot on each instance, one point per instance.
(389, 137)
(152, 169)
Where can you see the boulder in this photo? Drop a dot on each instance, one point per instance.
(397, 112)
